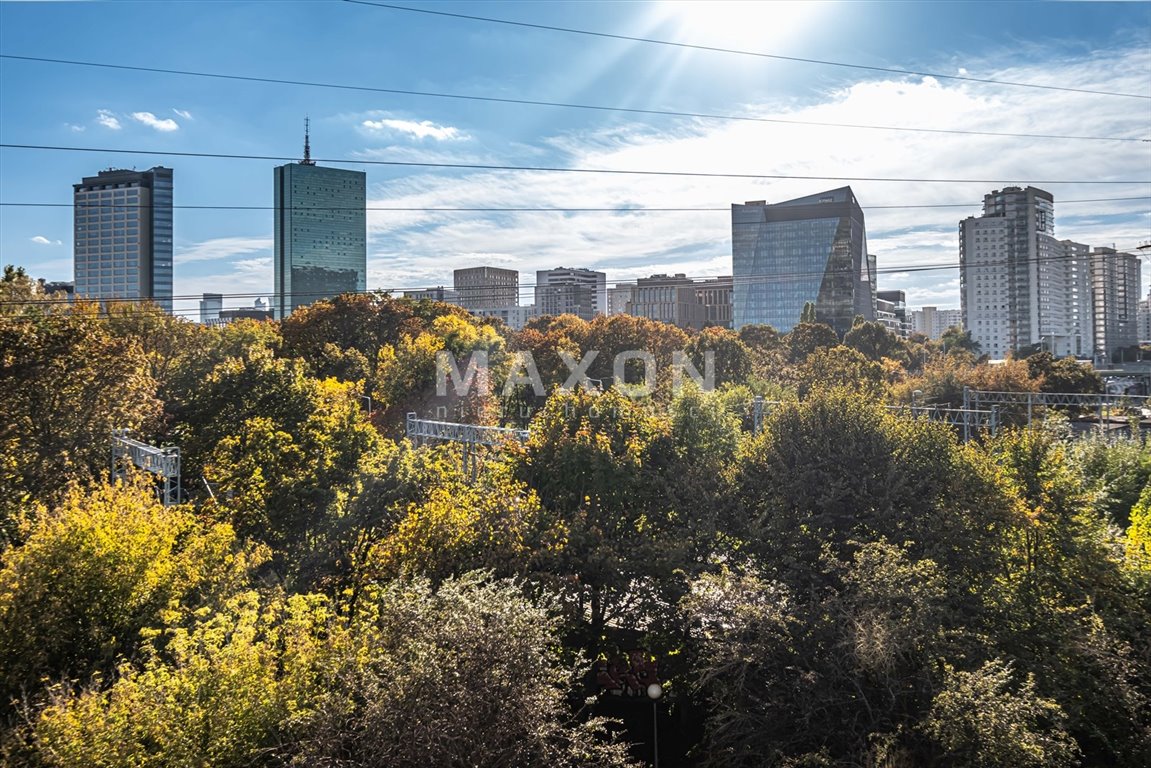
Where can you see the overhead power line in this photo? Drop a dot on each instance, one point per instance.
(105, 205)
(717, 49)
(548, 169)
(564, 105)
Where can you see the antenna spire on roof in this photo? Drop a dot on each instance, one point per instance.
(307, 145)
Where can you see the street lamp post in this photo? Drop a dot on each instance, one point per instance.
(654, 691)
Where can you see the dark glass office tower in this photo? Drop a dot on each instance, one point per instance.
(123, 235)
(320, 233)
(811, 249)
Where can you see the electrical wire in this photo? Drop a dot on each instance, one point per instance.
(101, 205)
(547, 169)
(565, 105)
(717, 49)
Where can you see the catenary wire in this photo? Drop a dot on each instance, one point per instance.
(102, 205)
(717, 49)
(567, 105)
(547, 169)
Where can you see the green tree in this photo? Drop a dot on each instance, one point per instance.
(984, 718)
(875, 342)
(840, 366)
(596, 462)
(831, 676)
(809, 315)
(66, 382)
(496, 524)
(805, 338)
(95, 571)
(224, 692)
(837, 468)
(422, 676)
(1139, 533)
(1063, 375)
(955, 339)
(731, 356)
(464, 674)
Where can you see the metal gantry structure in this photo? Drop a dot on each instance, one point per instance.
(983, 413)
(162, 462)
(968, 421)
(470, 436)
(1104, 407)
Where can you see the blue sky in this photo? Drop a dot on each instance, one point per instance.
(1094, 46)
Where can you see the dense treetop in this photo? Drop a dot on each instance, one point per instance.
(827, 583)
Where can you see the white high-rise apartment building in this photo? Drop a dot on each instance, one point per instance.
(1143, 320)
(1019, 285)
(1116, 279)
(933, 322)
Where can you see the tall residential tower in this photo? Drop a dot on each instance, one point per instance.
(320, 233)
(123, 235)
(811, 249)
(1116, 279)
(1020, 286)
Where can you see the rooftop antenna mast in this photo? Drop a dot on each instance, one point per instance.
(307, 145)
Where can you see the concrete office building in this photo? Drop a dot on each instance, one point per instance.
(122, 225)
(1143, 321)
(487, 287)
(811, 249)
(210, 307)
(668, 299)
(715, 296)
(439, 293)
(320, 233)
(1116, 280)
(514, 317)
(683, 302)
(895, 303)
(564, 290)
(1019, 285)
(618, 298)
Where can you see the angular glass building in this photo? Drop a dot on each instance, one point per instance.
(811, 249)
(320, 233)
(123, 235)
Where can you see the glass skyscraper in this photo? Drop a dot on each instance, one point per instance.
(123, 236)
(811, 249)
(320, 233)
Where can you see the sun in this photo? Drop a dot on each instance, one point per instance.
(761, 26)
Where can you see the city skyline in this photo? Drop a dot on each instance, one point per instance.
(229, 249)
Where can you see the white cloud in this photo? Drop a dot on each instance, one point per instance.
(147, 118)
(41, 240)
(76, 128)
(105, 118)
(425, 129)
(183, 113)
(411, 248)
(222, 248)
